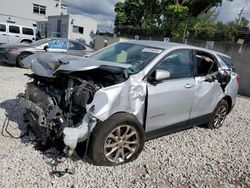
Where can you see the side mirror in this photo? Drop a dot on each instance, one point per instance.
(46, 48)
(161, 75)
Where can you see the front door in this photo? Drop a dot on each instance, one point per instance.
(14, 34)
(170, 100)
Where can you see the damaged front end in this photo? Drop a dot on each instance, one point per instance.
(53, 105)
(68, 96)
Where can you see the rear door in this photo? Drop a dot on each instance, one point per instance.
(170, 100)
(28, 34)
(14, 34)
(75, 48)
(3, 33)
(208, 90)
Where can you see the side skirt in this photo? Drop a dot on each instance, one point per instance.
(178, 127)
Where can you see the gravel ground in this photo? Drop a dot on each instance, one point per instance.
(193, 158)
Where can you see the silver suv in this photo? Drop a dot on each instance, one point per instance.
(125, 94)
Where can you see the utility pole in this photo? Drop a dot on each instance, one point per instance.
(185, 31)
(111, 25)
(240, 15)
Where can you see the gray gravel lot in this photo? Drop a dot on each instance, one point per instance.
(196, 157)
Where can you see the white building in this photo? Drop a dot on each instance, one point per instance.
(69, 26)
(28, 12)
(50, 17)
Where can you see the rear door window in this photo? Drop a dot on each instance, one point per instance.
(2, 28)
(14, 29)
(75, 46)
(205, 63)
(27, 31)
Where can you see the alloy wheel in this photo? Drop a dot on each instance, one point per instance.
(220, 116)
(121, 144)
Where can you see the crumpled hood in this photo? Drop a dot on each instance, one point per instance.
(48, 64)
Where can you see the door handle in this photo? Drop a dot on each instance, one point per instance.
(17, 36)
(189, 86)
(4, 34)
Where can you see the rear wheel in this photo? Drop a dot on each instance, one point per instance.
(20, 58)
(118, 140)
(219, 115)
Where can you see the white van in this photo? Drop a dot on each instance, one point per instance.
(11, 33)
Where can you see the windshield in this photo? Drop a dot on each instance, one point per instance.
(41, 42)
(134, 54)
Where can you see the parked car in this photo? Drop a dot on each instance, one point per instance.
(13, 54)
(125, 94)
(11, 33)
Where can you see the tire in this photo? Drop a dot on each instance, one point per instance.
(219, 115)
(20, 58)
(109, 148)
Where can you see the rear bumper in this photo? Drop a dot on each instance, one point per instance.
(8, 58)
(3, 58)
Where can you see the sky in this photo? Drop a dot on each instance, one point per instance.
(103, 10)
(229, 11)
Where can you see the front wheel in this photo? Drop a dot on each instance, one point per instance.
(219, 115)
(20, 58)
(118, 140)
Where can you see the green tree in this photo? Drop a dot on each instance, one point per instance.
(196, 7)
(172, 18)
(244, 22)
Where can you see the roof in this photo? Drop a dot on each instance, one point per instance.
(167, 45)
(156, 44)
(58, 38)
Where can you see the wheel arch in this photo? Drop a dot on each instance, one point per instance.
(125, 112)
(24, 52)
(229, 102)
(26, 40)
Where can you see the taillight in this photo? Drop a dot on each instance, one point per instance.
(238, 79)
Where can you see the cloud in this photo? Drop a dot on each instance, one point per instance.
(102, 7)
(229, 11)
(101, 10)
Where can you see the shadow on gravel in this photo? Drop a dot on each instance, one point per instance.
(203, 126)
(13, 113)
(5, 64)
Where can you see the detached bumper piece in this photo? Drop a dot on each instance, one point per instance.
(47, 120)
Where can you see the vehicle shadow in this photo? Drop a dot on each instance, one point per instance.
(14, 120)
(3, 64)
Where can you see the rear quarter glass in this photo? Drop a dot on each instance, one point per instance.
(227, 61)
